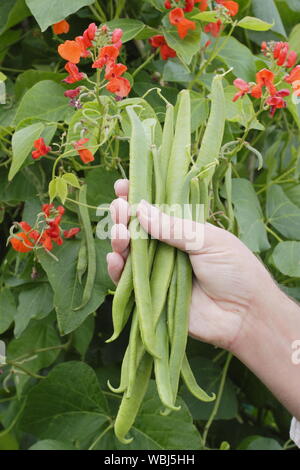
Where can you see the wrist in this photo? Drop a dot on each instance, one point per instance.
(265, 346)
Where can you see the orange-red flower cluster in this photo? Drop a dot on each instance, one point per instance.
(188, 5)
(41, 148)
(294, 79)
(280, 52)
(160, 42)
(183, 25)
(50, 232)
(264, 79)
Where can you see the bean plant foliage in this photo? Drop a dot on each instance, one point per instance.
(72, 75)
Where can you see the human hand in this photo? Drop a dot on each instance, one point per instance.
(230, 283)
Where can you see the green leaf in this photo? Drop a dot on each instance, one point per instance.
(47, 13)
(11, 13)
(68, 405)
(20, 189)
(294, 39)
(71, 179)
(61, 189)
(37, 103)
(100, 183)
(259, 443)
(186, 48)
(131, 28)
(27, 79)
(282, 214)
(38, 335)
(208, 375)
(286, 258)
(67, 290)
(22, 144)
(234, 54)
(52, 189)
(49, 444)
(83, 335)
(255, 24)
(8, 442)
(249, 215)
(175, 71)
(267, 11)
(241, 111)
(207, 16)
(35, 302)
(8, 309)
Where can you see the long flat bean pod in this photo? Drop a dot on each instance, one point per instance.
(91, 249)
(129, 406)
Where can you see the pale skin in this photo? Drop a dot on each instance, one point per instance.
(236, 305)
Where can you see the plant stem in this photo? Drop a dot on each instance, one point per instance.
(218, 400)
(273, 233)
(144, 64)
(84, 205)
(101, 435)
(14, 421)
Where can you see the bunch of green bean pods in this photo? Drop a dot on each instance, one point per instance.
(156, 285)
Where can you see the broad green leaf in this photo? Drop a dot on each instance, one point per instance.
(20, 189)
(22, 144)
(37, 103)
(282, 214)
(255, 24)
(241, 111)
(294, 39)
(208, 376)
(267, 11)
(61, 189)
(294, 194)
(207, 16)
(8, 442)
(8, 39)
(11, 13)
(67, 406)
(293, 5)
(47, 13)
(186, 48)
(35, 302)
(234, 54)
(27, 79)
(286, 258)
(8, 309)
(49, 444)
(38, 335)
(83, 335)
(131, 28)
(259, 443)
(249, 215)
(71, 179)
(100, 183)
(152, 431)
(175, 71)
(67, 290)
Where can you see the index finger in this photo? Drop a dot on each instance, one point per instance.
(122, 188)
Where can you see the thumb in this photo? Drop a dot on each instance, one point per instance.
(184, 234)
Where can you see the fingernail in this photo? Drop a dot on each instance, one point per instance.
(108, 257)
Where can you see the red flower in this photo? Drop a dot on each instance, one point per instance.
(85, 154)
(160, 42)
(277, 101)
(284, 56)
(107, 54)
(116, 37)
(62, 27)
(74, 74)
(119, 86)
(70, 51)
(168, 5)
(294, 75)
(22, 246)
(213, 28)
(203, 4)
(89, 34)
(243, 86)
(189, 5)
(83, 46)
(71, 233)
(114, 70)
(264, 78)
(182, 24)
(41, 148)
(72, 93)
(232, 7)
